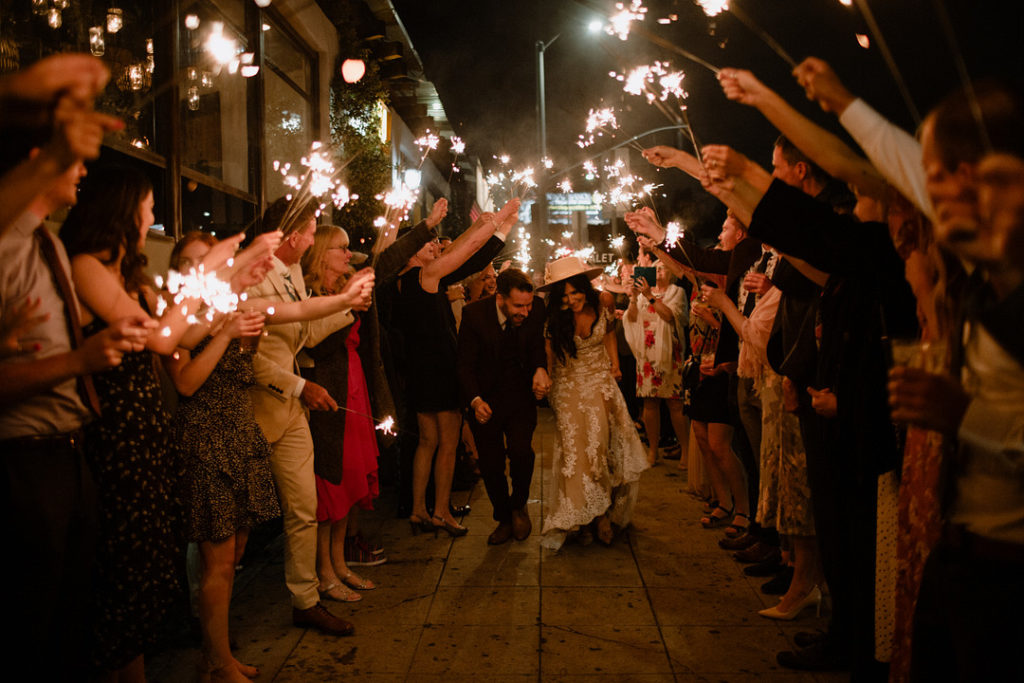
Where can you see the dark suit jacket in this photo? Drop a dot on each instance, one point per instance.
(479, 362)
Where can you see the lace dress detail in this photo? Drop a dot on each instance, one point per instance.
(598, 455)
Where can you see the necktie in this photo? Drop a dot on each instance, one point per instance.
(290, 286)
(86, 388)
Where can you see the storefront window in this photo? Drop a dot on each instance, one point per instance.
(215, 97)
(119, 32)
(289, 104)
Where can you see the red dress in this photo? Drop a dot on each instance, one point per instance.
(359, 485)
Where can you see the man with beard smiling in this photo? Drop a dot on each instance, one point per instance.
(502, 370)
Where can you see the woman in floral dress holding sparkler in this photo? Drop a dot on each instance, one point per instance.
(655, 332)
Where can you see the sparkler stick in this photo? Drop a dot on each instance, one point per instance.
(883, 47)
(961, 67)
(762, 34)
(693, 139)
(661, 42)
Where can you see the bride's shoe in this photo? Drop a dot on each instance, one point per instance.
(811, 599)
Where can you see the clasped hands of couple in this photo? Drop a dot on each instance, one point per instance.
(541, 386)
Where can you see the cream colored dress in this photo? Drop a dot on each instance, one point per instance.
(598, 455)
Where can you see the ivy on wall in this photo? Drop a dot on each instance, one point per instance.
(355, 127)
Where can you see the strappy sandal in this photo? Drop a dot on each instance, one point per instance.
(340, 593)
(710, 505)
(735, 530)
(713, 521)
(360, 584)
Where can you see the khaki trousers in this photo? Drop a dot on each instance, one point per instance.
(292, 465)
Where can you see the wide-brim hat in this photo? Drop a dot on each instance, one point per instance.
(565, 268)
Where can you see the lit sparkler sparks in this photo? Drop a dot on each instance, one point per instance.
(713, 8)
(599, 122)
(215, 293)
(319, 181)
(399, 200)
(565, 186)
(522, 255)
(524, 179)
(673, 233)
(386, 426)
(458, 146)
(619, 23)
(427, 143)
(617, 242)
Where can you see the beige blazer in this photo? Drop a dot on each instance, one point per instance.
(275, 394)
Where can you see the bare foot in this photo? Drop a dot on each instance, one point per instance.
(247, 671)
(228, 673)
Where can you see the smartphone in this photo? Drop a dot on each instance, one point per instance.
(645, 272)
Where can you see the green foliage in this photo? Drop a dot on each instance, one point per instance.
(354, 128)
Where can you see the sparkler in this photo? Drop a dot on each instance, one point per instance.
(565, 186)
(620, 22)
(713, 8)
(319, 180)
(617, 242)
(398, 201)
(599, 122)
(215, 293)
(883, 47)
(427, 143)
(385, 426)
(523, 178)
(458, 147)
(522, 255)
(655, 83)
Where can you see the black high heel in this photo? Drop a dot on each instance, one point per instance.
(453, 530)
(417, 525)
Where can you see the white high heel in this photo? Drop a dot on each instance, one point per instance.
(812, 598)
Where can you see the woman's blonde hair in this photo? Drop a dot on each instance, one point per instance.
(313, 268)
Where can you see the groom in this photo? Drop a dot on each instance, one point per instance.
(502, 369)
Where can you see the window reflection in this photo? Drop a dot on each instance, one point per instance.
(214, 99)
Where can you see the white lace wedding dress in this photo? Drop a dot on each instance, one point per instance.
(598, 455)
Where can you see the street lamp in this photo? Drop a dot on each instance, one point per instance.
(542, 137)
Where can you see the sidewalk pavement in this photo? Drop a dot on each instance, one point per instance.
(663, 603)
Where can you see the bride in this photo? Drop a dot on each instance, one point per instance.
(598, 456)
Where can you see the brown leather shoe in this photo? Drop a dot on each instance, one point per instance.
(501, 534)
(521, 524)
(319, 618)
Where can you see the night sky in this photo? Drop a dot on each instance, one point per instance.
(480, 56)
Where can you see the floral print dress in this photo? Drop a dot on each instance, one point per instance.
(658, 345)
(598, 455)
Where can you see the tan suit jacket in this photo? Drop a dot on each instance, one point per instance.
(275, 395)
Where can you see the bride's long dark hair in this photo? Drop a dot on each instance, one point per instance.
(561, 321)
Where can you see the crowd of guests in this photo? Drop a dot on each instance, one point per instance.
(847, 358)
